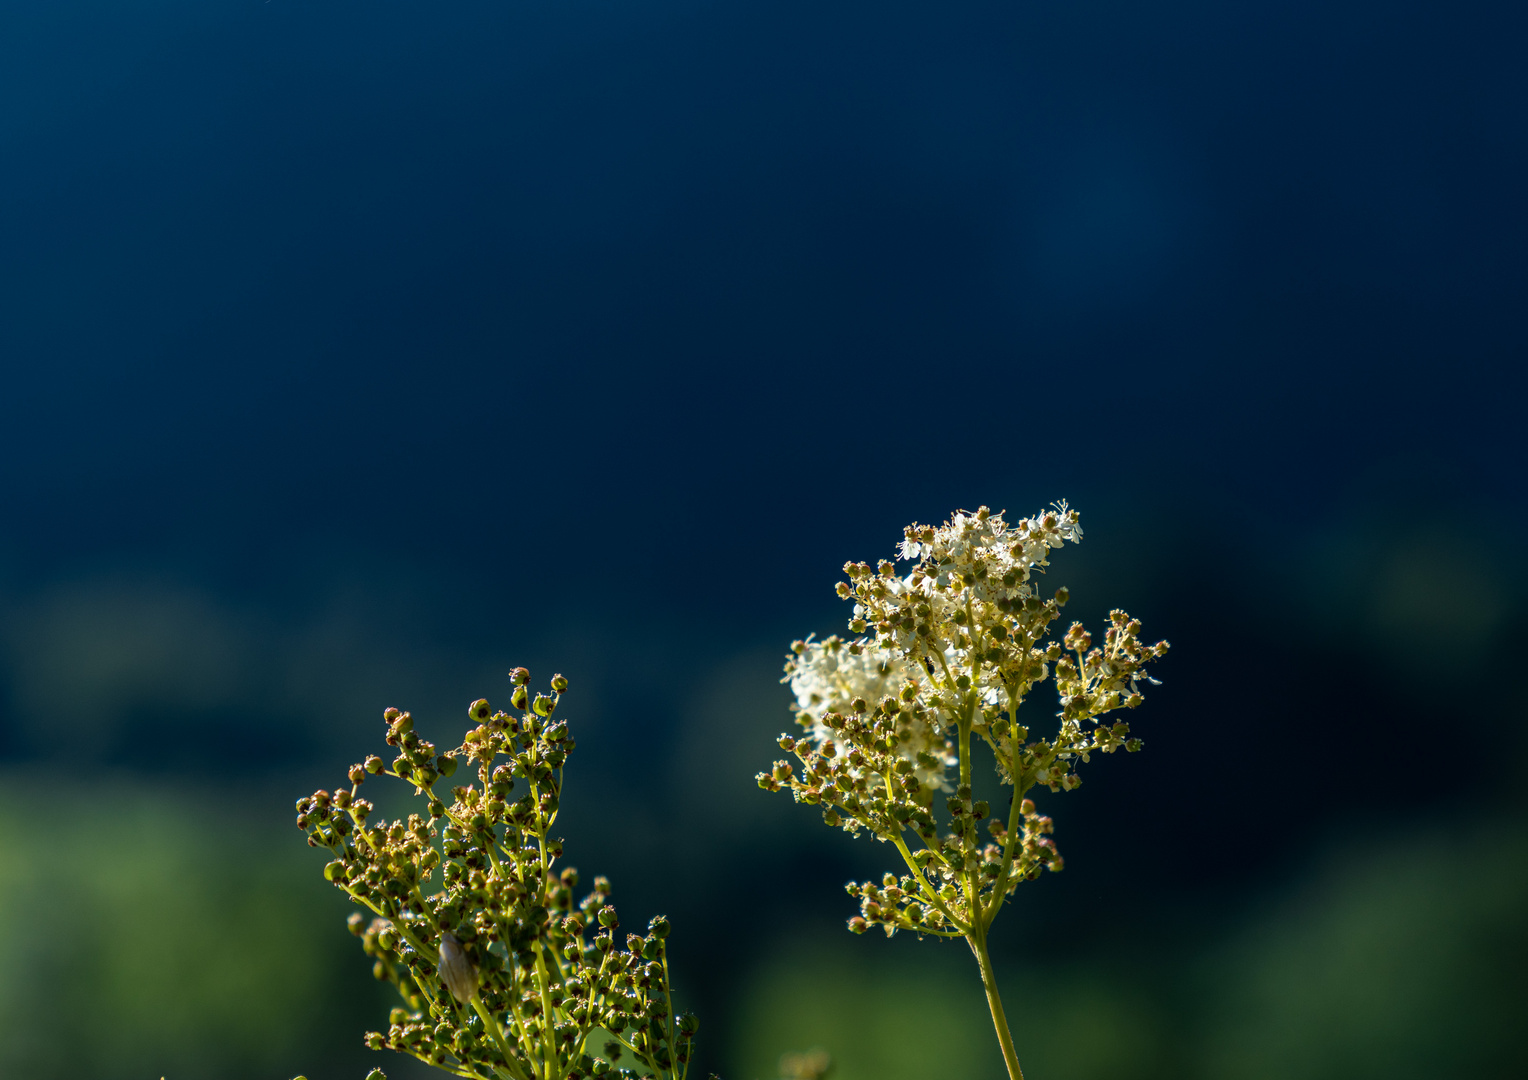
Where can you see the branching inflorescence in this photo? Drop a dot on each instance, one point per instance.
(503, 976)
(943, 654)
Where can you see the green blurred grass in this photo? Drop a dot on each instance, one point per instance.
(1398, 960)
(149, 932)
(143, 933)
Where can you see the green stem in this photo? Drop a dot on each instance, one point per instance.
(491, 1025)
(672, 1027)
(978, 942)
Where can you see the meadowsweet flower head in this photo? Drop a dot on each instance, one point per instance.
(945, 650)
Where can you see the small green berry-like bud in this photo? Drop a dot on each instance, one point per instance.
(660, 927)
(519, 676)
(479, 710)
(559, 683)
(389, 715)
(374, 765)
(608, 917)
(543, 705)
(376, 1074)
(446, 764)
(519, 697)
(858, 925)
(1062, 596)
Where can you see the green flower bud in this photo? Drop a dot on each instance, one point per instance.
(376, 1074)
(559, 683)
(543, 705)
(518, 698)
(446, 764)
(479, 710)
(374, 765)
(519, 676)
(660, 927)
(608, 917)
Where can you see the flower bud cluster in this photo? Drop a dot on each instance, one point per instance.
(504, 970)
(943, 653)
(896, 903)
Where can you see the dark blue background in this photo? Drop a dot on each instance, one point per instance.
(355, 352)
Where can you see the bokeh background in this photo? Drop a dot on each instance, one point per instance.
(356, 352)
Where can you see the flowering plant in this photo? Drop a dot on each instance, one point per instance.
(502, 975)
(942, 654)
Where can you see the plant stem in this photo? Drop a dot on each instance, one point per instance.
(978, 941)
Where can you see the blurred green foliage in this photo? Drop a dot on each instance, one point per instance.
(149, 933)
(882, 1014)
(894, 1014)
(1408, 961)
(145, 934)
(1398, 961)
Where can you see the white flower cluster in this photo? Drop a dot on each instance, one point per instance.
(966, 611)
(984, 538)
(834, 676)
(944, 656)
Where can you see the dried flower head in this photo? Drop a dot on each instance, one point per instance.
(503, 973)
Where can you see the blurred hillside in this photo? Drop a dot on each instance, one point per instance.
(1317, 865)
